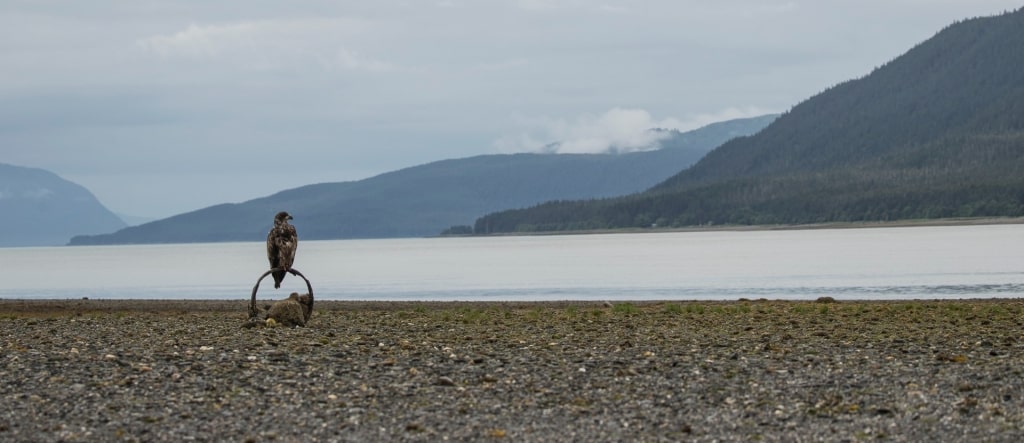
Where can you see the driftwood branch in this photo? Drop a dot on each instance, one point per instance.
(253, 312)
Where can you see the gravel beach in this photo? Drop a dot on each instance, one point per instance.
(130, 370)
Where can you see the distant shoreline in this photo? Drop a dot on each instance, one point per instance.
(48, 307)
(957, 221)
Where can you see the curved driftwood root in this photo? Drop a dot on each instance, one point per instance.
(284, 308)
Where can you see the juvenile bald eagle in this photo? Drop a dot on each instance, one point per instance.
(282, 241)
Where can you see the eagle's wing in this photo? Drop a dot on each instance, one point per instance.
(287, 243)
(281, 244)
(272, 249)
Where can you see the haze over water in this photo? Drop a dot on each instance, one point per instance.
(876, 263)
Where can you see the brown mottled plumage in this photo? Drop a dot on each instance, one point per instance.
(282, 241)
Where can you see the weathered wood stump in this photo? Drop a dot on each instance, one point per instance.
(295, 310)
(292, 311)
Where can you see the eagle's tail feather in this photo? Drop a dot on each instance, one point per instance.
(278, 277)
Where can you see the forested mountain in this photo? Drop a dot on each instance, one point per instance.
(39, 208)
(936, 133)
(424, 200)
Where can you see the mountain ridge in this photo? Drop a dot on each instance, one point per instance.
(41, 208)
(424, 200)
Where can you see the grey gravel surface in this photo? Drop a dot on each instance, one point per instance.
(654, 371)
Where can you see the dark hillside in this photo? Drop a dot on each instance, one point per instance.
(965, 80)
(937, 132)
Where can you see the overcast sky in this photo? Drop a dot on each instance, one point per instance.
(161, 107)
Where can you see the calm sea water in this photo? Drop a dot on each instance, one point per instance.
(879, 263)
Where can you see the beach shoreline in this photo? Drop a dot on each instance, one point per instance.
(161, 370)
(938, 222)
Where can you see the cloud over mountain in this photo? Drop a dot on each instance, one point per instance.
(618, 130)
